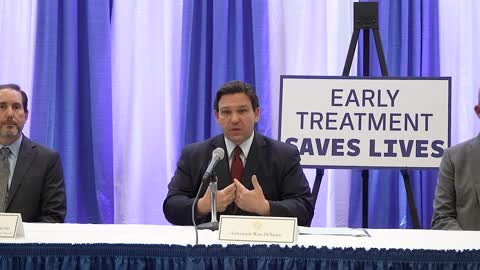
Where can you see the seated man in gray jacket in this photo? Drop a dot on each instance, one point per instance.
(457, 196)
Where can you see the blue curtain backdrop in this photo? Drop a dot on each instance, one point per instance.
(71, 102)
(73, 95)
(221, 41)
(410, 38)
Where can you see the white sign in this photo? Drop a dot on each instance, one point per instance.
(258, 229)
(11, 225)
(366, 122)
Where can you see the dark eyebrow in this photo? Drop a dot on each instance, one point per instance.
(245, 106)
(15, 103)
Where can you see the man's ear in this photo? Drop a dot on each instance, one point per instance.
(257, 114)
(477, 110)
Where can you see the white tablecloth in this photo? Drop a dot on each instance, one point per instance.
(178, 235)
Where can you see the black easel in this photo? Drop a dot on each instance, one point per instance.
(366, 19)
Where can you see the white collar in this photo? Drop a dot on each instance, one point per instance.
(15, 146)
(245, 146)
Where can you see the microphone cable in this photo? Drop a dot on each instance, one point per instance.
(193, 213)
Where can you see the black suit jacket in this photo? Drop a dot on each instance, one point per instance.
(37, 190)
(276, 165)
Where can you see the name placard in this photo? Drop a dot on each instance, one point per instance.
(11, 225)
(258, 229)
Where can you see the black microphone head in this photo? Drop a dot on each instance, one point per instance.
(218, 153)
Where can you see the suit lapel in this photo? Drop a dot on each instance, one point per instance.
(255, 154)
(474, 155)
(26, 154)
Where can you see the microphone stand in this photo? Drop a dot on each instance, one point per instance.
(213, 224)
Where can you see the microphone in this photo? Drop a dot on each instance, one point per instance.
(217, 155)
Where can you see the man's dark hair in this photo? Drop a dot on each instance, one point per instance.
(18, 89)
(234, 87)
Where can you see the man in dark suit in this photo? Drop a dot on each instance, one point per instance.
(258, 176)
(457, 196)
(31, 176)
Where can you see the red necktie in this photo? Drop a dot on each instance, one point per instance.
(237, 165)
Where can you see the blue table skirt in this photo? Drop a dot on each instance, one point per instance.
(132, 256)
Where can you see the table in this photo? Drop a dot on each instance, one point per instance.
(119, 246)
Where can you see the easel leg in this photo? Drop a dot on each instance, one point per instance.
(410, 200)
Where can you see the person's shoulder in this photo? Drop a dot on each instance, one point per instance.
(278, 145)
(465, 146)
(202, 146)
(44, 150)
(464, 149)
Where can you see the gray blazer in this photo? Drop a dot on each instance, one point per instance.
(457, 196)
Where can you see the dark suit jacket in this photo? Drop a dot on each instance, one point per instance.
(457, 196)
(37, 190)
(276, 165)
